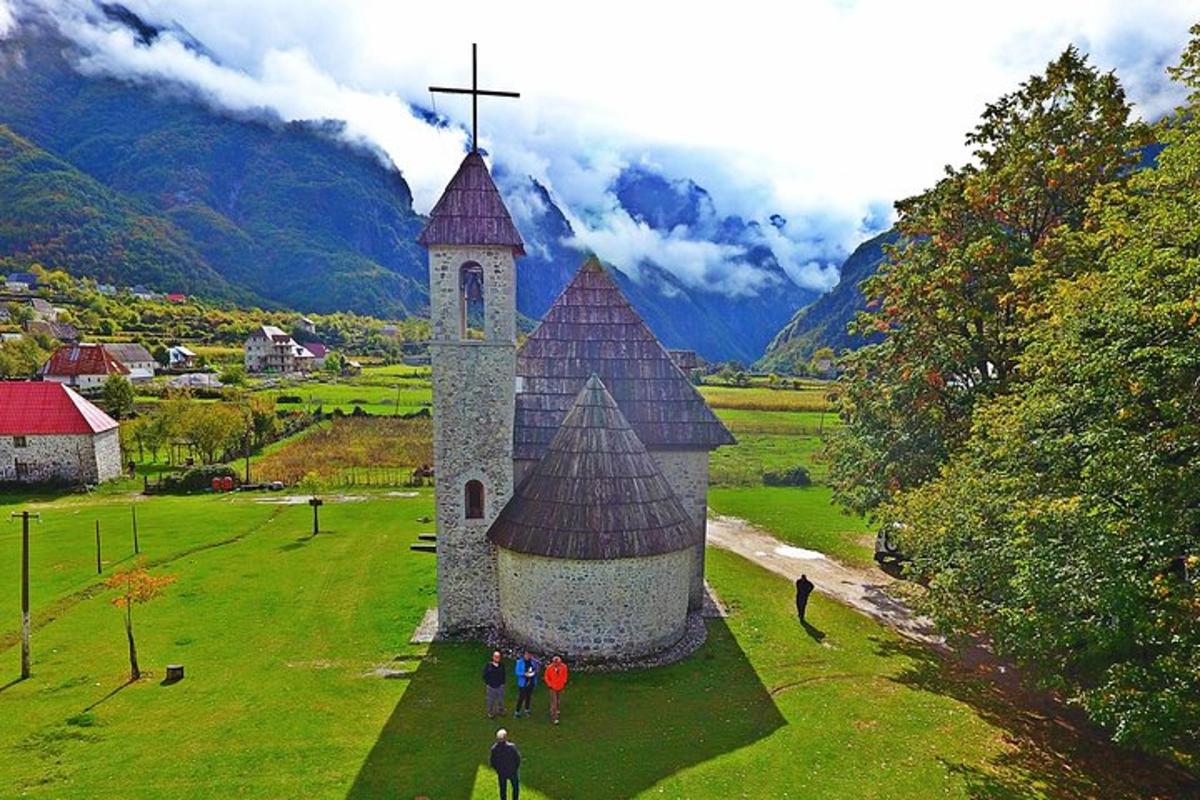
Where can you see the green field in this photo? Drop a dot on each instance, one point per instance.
(282, 635)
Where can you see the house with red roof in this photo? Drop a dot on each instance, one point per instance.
(84, 367)
(50, 434)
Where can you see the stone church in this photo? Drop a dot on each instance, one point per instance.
(571, 473)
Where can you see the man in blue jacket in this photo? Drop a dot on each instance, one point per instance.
(527, 671)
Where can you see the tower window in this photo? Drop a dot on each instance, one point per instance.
(474, 500)
(470, 285)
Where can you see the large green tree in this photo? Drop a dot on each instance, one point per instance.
(949, 298)
(1064, 523)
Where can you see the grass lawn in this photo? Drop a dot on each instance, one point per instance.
(805, 517)
(281, 634)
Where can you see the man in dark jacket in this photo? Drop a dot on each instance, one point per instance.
(493, 680)
(804, 588)
(506, 760)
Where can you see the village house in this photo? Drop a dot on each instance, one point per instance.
(20, 282)
(319, 353)
(180, 357)
(269, 349)
(43, 310)
(82, 366)
(61, 331)
(137, 359)
(48, 433)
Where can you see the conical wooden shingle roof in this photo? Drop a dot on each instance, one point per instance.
(471, 211)
(592, 328)
(596, 494)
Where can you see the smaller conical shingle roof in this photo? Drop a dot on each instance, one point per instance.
(471, 211)
(596, 494)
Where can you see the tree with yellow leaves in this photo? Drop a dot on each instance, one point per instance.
(136, 586)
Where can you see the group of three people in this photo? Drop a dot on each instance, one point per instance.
(526, 670)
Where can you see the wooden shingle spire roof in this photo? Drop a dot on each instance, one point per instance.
(596, 494)
(592, 328)
(471, 212)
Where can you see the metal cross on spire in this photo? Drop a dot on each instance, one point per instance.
(475, 92)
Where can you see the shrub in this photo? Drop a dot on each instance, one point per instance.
(289, 399)
(194, 480)
(793, 476)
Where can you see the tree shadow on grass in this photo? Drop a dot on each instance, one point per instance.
(620, 733)
(1049, 745)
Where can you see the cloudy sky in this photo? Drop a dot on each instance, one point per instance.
(824, 112)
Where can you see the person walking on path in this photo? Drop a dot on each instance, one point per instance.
(556, 681)
(804, 588)
(493, 679)
(526, 671)
(506, 760)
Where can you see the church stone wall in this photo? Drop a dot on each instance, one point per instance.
(687, 472)
(623, 608)
(472, 429)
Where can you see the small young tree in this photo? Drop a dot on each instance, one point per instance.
(117, 396)
(136, 586)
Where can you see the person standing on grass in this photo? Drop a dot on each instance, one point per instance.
(804, 588)
(526, 670)
(556, 681)
(493, 679)
(506, 760)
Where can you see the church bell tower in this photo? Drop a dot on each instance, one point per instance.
(473, 246)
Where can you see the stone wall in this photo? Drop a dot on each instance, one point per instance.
(687, 472)
(624, 608)
(80, 458)
(473, 384)
(108, 455)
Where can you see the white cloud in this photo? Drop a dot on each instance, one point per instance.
(6, 18)
(824, 112)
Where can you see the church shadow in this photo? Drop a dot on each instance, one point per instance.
(621, 733)
(1049, 745)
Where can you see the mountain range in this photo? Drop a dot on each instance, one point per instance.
(823, 322)
(130, 182)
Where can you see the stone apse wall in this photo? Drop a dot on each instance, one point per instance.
(624, 608)
(687, 472)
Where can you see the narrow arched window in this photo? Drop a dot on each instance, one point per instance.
(470, 286)
(474, 500)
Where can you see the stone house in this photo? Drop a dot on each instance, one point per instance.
(269, 349)
(48, 433)
(84, 367)
(499, 413)
(137, 359)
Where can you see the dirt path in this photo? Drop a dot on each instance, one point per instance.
(863, 589)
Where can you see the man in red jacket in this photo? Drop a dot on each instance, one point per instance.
(556, 681)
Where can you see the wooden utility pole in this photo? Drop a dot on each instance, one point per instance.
(98, 568)
(136, 548)
(25, 624)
